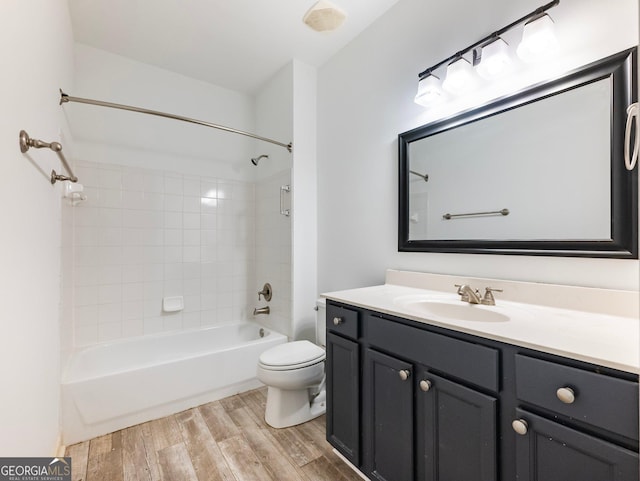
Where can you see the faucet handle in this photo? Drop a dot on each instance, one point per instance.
(266, 291)
(467, 294)
(488, 299)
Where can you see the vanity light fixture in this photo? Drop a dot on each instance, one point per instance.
(490, 56)
(494, 59)
(538, 39)
(459, 76)
(429, 91)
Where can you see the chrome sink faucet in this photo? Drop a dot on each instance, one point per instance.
(467, 294)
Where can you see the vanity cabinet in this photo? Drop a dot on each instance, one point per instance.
(549, 450)
(343, 382)
(456, 435)
(412, 402)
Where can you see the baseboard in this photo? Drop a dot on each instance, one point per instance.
(348, 463)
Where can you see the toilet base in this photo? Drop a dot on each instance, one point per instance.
(290, 407)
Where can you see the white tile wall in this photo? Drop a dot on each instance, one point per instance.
(145, 234)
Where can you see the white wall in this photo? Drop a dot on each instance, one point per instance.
(37, 58)
(305, 198)
(365, 99)
(139, 140)
(274, 119)
(286, 246)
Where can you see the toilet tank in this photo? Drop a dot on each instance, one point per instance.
(321, 325)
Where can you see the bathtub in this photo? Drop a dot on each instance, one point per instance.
(112, 386)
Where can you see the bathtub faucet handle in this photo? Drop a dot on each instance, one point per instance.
(266, 291)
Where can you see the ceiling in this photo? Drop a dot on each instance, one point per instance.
(236, 44)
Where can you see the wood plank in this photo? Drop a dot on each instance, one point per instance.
(272, 456)
(232, 402)
(139, 461)
(245, 419)
(317, 437)
(218, 421)
(165, 432)
(100, 445)
(79, 454)
(300, 449)
(256, 406)
(105, 462)
(206, 457)
(175, 464)
(322, 469)
(242, 460)
(345, 470)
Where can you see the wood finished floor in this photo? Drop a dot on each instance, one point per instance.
(223, 440)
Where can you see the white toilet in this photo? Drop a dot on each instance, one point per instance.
(294, 374)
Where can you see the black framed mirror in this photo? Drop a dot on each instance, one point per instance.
(541, 172)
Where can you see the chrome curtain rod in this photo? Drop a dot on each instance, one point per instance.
(27, 142)
(496, 34)
(64, 98)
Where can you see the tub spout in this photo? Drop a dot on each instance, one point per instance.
(261, 310)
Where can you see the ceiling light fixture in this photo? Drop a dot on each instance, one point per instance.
(491, 55)
(324, 16)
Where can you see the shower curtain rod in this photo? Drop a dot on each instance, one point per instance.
(64, 98)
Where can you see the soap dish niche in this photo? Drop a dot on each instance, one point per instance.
(173, 304)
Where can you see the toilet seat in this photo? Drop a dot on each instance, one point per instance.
(291, 355)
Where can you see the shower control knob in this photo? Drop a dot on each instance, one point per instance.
(337, 321)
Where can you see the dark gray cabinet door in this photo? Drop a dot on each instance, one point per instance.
(388, 417)
(456, 436)
(552, 452)
(343, 396)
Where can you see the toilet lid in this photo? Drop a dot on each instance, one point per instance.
(292, 354)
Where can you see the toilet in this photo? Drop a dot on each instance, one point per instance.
(294, 375)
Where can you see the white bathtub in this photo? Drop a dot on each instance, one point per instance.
(111, 386)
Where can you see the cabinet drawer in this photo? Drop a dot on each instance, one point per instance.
(463, 360)
(600, 400)
(343, 321)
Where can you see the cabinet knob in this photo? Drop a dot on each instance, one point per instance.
(520, 426)
(337, 320)
(566, 395)
(425, 385)
(404, 374)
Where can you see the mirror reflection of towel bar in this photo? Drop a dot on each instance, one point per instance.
(424, 176)
(491, 212)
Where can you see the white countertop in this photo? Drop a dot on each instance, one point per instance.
(598, 338)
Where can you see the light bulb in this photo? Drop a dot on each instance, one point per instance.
(538, 39)
(494, 60)
(429, 91)
(459, 76)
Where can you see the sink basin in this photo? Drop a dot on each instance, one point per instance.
(452, 310)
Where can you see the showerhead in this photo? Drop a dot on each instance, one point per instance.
(257, 159)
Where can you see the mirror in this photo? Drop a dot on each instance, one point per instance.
(537, 173)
